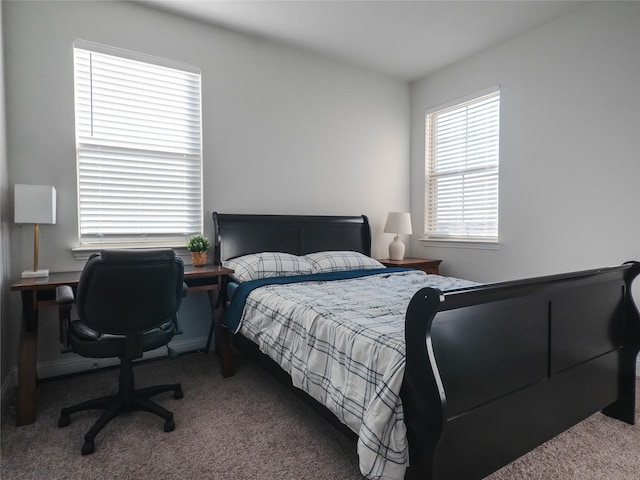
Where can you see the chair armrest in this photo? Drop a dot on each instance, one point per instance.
(64, 295)
(185, 288)
(64, 299)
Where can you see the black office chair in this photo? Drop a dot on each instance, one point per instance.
(127, 302)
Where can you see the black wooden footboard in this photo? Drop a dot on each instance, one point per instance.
(508, 366)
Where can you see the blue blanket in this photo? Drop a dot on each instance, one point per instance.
(233, 314)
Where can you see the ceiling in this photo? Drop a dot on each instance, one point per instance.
(404, 39)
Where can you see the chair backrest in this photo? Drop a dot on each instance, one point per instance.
(130, 291)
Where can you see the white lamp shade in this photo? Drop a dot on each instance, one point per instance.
(398, 223)
(34, 204)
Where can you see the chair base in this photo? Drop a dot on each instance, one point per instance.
(127, 399)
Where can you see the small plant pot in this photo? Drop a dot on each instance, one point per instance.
(198, 258)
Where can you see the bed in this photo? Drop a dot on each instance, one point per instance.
(489, 372)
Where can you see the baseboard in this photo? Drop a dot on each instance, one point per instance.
(75, 364)
(9, 382)
(7, 390)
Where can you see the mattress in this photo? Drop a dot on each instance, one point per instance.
(342, 341)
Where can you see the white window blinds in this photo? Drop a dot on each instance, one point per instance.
(462, 167)
(138, 150)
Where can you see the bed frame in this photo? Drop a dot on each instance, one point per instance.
(492, 371)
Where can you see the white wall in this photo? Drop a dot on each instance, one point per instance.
(570, 148)
(283, 131)
(8, 330)
(289, 132)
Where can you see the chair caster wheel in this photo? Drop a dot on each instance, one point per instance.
(178, 394)
(64, 421)
(88, 448)
(169, 426)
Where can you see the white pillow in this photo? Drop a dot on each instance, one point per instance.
(336, 261)
(266, 265)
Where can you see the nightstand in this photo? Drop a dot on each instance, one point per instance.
(427, 265)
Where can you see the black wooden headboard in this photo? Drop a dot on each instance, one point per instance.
(241, 234)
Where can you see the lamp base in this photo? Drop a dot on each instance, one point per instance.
(396, 249)
(35, 273)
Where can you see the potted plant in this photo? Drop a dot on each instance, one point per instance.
(198, 245)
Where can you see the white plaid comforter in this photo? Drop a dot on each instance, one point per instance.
(342, 342)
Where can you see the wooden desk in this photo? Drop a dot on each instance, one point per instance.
(40, 292)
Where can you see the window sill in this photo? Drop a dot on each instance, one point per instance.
(449, 243)
(83, 253)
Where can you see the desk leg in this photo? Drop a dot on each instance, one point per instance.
(213, 301)
(223, 347)
(26, 394)
(222, 337)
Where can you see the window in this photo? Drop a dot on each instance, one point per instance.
(462, 166)
(138, 140)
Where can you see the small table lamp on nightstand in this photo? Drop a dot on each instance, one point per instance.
(398, 223)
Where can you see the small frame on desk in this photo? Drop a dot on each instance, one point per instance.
(427, 265)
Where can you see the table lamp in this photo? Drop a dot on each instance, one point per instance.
(35, 204)
(398, 223)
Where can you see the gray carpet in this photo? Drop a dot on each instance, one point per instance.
(250, 427)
